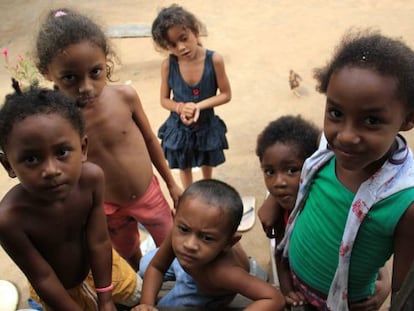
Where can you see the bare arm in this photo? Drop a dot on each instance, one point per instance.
(99, 243)
(38, 271)
(270, 215)
(154, 147)
(154, 275)
(292, 296)
(265, 297)
(403, 250)
(165, 91)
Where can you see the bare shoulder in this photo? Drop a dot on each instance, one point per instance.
(234, 259)
(124, 92)
(406, 221)
(13, 207)
(165, 63)
(91, 173)
(218, 58)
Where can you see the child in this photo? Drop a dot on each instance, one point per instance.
(356, 193)
(193, 135)
(52, 223)
(73, 52)
(282, 148)
(203, 255)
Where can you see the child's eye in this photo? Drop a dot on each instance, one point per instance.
(293, 170)
(269, 172)
(62, 152)
(207, 238)
(68, 79)
(31, 160)
(96, 72)
(334, 114)
(372, 121)
(182, 229)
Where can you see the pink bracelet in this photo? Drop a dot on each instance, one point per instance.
(177, 107)
(105, 289)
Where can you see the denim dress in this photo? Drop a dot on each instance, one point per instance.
(202, 142)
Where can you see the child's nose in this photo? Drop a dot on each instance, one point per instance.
(279, 180)
(348, 135)
(181, 46)
(191, 243)
(85, 86)
(50, 169)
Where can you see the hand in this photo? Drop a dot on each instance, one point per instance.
(295, 299)
(144, 307)
(374, 302)
(175, 193)
(382, 290)
(190, 113)
(186, 121)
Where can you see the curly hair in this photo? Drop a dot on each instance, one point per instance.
(20, 105)
(289, 130)
(219, 194)
(371, 50)
(63, 27)
(171, 16)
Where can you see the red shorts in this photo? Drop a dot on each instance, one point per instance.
(151, 210)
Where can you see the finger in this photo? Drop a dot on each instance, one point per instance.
(297, 297)
(290, 301)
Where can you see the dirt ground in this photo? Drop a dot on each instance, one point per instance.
(260, 42)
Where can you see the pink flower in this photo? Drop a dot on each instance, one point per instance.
(20, 58)
(5, 52)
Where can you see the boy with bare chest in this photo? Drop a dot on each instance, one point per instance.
(52, 223)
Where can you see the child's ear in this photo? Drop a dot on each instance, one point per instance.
(5, 162)
(233, 240)
(408, 123)
(84, 146)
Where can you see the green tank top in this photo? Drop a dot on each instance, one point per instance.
(314, 245)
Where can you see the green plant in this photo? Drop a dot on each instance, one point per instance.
(23, 71)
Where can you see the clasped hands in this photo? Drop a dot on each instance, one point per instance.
(188, 112)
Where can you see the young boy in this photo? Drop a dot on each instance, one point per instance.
(74, 53)
(52, 223)
(204, 257)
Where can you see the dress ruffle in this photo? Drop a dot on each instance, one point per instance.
(193, 146)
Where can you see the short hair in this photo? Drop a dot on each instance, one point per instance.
(171, 16)
(289, 130)
(371, 50)
(63, 27)
(219, 194)
(20, 105)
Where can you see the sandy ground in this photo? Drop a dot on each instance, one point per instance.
(260, 42)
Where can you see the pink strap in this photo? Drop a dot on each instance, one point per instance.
(105, 289)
